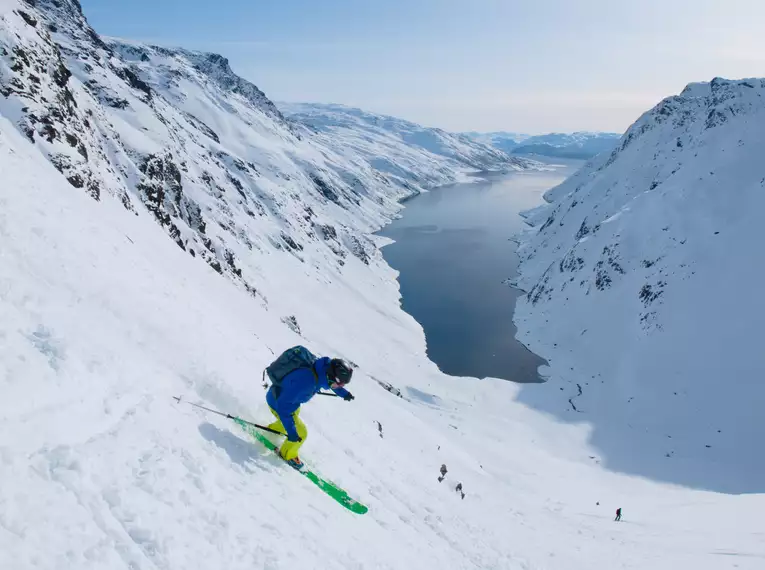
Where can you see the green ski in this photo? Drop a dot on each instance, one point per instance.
(327, 486)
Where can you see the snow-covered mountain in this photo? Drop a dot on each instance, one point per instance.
(644, 279)
(581, 145)
(502, 140)
(400, 148)
(178, 134)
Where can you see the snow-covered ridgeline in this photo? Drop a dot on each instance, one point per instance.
(578, 145)
(404, 150)
(178, 135)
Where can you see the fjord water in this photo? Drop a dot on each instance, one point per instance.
(454, 251)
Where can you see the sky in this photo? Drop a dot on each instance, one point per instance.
(532, 66)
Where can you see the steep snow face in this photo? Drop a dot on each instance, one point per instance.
(644, 279)
(103, 320)
(177, 135)
(580, 145)
(402, 149)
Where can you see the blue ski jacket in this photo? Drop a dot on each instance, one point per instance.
(297, 388)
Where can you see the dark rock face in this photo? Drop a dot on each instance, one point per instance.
(162, 192)
(292, 324)
(35, 74)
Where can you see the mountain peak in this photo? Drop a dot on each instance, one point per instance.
(215, 67)
(58, 7)
(700, 106)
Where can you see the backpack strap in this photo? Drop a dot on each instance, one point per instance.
(277, 389)
(315, 375)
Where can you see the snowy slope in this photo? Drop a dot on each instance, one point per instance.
(103, 319)
(563, 145)
(402, 149)
(101, 469)
(644, 280)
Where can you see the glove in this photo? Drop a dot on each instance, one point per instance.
(297, 440)
(348, 397)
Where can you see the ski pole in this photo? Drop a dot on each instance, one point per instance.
(229, 416)
(327, 394)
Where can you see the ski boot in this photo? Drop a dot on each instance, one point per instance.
(295, 463)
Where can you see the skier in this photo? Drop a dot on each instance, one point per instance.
(618, 514)
(297, 387)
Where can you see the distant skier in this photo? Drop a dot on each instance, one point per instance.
(618, 514)
(296, 376)
(443, 473)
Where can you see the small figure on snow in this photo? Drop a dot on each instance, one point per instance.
(618, 514)
(458, 488)
(296, 377)
(443, 473)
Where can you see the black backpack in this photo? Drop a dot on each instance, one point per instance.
(290, 360)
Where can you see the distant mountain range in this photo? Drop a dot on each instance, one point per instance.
(582, 145)
(400, 148)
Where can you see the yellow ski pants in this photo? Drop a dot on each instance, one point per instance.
(289, 449)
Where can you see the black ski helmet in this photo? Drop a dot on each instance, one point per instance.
(339, 371)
